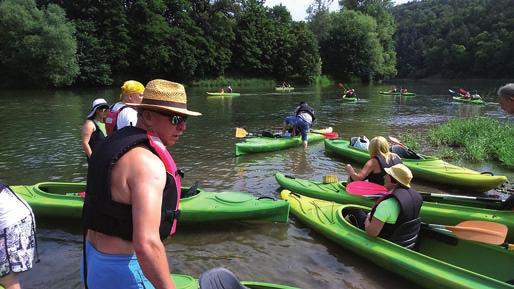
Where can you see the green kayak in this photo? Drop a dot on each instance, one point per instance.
(224, 93)
(440, 260)
(284, 88)
(349, 98)
(436, 210)
(262, 144)
(430, 169)
(397, 93)
(61, 200)
(478, 101)
(187, 282)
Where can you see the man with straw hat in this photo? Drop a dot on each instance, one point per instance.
(395, 216)
(133, 193)
(120, 114)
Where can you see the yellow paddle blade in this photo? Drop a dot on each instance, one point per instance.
(322, 131)
(241, 132)
(480, 231)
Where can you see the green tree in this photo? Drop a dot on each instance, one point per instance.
(38, 47)
(353, 48)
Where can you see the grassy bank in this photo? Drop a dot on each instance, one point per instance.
(476, 139)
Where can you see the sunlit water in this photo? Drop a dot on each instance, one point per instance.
(41, 141)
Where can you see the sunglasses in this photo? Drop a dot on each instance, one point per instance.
(177, 119)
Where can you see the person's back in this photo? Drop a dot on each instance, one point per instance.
(120, 115)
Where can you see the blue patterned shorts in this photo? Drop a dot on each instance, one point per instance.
(17, 245)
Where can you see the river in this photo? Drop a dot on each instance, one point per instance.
(40, 141)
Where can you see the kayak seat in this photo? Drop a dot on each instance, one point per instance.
(406, 234)
(404, 153)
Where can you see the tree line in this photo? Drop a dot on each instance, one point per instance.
(458, 38)
(58, 43)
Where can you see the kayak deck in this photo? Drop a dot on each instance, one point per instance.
(439, 260)
(438, 211)
(262, 144)
(62, 200)
(430, 169)
(469, 100)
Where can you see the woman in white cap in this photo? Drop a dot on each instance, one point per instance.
(394, 216)
(93, 130)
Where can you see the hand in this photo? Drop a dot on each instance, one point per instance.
(348, 168)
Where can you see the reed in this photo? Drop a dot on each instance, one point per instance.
(478, 139)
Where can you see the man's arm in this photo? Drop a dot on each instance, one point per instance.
(146, 183)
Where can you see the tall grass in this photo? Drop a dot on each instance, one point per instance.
(479, 139)
(235, 83)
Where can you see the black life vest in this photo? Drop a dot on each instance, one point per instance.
(378, 178)
(96, 137)
(101, 213)
(410, 204)
(305, 108)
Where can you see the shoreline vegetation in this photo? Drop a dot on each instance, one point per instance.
(474, 139)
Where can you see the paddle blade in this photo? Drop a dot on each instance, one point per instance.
(322, 131)
(365, 188)
(331, 135)
(395, 140)
(480, 231)
(241, 132)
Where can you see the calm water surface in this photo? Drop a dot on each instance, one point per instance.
(41, 141)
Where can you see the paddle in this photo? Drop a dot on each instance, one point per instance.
(480, 231)
(364, 188)
(396, 141)
(241, 132)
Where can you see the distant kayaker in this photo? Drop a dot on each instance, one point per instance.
(17, 237)
(394, 216)
(133, 193)
(93, 130)
(506, 97)
(120, 114)
(374, 169)
(394, 89)
(301, 121)
(229, 88)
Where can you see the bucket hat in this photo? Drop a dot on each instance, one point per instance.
(401, 173)
(97, 103)
(166, 97)
(131, 86)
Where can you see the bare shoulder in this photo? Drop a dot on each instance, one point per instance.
(143, 161)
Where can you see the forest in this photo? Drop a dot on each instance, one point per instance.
(59, 43)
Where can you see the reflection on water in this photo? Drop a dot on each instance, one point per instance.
(41, 141)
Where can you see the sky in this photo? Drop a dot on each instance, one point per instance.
(298, 8)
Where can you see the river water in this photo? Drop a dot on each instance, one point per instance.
(40, 141)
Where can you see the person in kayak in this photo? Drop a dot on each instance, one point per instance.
(374, 169)
(93, 130)
(506, 97)
(301, 121)
(395, 216)
(17, 238)
(133, 194)
(120, 114)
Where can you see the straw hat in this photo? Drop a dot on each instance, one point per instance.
(401, 173)
(131, 86)
(165, 96)
(97, 103)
